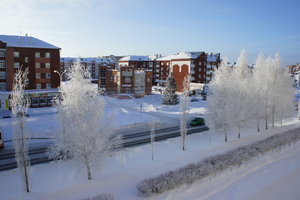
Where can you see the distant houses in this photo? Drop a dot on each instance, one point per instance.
(199, 65)
(120, 76)
(133, 74)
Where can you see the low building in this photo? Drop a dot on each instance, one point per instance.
(126, 79)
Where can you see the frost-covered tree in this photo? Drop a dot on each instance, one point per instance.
(184, 109)
(19, 103)
(169, 95)
(240, 101)
(258, 88)
(281, 90)
(286, 97)
(219, 115)
(87, 134)
(273, 88)
(262, 77)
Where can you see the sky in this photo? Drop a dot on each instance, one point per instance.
(89, 28)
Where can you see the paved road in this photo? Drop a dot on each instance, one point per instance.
(38, 152)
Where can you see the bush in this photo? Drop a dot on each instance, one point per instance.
(106, 196)
(214, 164)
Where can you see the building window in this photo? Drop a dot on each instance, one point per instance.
(37, 65)
(43, 101)
(2, 75)
(2, 86)
(16, 54)
(47, 65)
(48, 85)
(127, 79)
(16, 65)
(2, 52)
(38, 75)
(37, 54)
(50, 100)
(48, 75)
(35, 100)
(47, 55)
(38, 86)
(26, 59)
(2, 63)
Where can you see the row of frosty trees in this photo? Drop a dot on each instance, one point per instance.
(240, 95)
(86, 137)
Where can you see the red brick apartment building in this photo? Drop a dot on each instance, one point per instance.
(41, 58)
(92, 64)
(294, 68)
(126, 79)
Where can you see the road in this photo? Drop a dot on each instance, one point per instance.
(134, 137)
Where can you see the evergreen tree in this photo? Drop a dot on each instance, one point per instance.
(169, 95)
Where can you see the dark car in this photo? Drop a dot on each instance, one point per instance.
(194, 100)
(198, 121)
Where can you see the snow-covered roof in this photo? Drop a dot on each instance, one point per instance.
(212, 57)
(86, 60)
(136, 58)
(25, 42)
(182, 55)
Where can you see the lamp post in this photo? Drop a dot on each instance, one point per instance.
(60, 75)
(63, 121)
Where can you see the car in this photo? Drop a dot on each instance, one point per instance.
(197, 121)
(194, 100)
(204, 97)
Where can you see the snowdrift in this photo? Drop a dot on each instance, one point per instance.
(214, 164)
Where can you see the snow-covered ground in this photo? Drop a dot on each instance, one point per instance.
(43, 123)
(268, 177)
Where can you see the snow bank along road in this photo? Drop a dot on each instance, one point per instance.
(39, 154)
(274, 176)
(216, 164)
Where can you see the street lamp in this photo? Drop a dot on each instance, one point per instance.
(60, 75)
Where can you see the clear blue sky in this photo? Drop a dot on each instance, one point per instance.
(121, 27)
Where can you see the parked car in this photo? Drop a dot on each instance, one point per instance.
(194, 100)
(197, 121)
(1, 139)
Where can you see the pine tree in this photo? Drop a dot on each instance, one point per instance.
(169, 95)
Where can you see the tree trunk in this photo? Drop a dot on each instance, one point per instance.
(183, 142)
(273, 115)
(225, 132)
(266, 117)
(239, 131)
(257, 114)
(88, 167)
(23, 158)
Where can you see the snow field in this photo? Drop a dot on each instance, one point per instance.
(211, 165)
